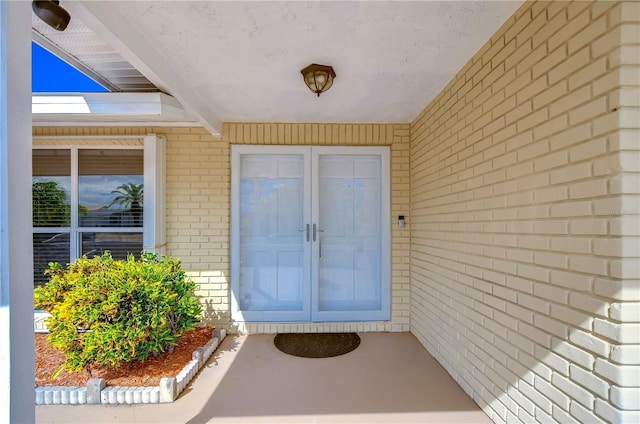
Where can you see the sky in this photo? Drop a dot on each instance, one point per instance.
(53, 75)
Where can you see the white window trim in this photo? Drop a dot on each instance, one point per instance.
(155, 176)
(153, 229)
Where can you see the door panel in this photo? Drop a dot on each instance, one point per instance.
(271, 282)
(310, 236)
(350, 273)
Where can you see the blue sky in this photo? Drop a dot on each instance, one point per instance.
(53, 75)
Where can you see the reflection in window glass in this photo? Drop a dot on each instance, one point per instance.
(119, 244)
(109, 194)
(48, 247)
(110, 188)
(51, 188)
(51, 191)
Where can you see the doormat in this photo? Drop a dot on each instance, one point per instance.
(316, 345)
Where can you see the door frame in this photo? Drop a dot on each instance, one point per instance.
(310, 313)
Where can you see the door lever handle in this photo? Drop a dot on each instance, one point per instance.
(306, 229)
(316, 230)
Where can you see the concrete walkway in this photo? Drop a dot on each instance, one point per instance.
(390, 377)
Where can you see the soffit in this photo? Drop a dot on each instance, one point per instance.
(85, 50)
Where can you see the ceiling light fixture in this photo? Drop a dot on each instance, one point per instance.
(319, 78)
(51, 13)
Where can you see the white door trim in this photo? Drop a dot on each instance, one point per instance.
(311, 311)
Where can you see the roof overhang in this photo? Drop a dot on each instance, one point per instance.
(55, 109)
(114, 28)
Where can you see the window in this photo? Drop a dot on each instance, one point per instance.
(51, 190)
(87, 200)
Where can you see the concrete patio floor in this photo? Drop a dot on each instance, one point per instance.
(390, 377)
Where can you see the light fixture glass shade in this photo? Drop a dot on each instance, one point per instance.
(319, 78)
(51, 13)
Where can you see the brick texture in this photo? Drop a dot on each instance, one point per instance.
(518, 266)
(524, 255)
(198, 204)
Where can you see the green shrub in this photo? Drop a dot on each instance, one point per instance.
(106, 311)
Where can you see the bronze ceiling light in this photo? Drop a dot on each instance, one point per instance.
(319, 78)
(51, 13)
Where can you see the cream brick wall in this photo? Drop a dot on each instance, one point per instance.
(518, 268)
(198, 205)
(525, 192)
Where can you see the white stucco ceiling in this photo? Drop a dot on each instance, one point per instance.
(241, 61)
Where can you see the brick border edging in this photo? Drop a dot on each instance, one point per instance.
(96, 392)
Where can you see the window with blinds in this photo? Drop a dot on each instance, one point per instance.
(110, 188)
(51, 191)
(86, 201)
(51, 186)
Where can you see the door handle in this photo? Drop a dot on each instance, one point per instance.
(316, 230)
(306, 229)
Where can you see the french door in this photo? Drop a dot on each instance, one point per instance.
(310, 233)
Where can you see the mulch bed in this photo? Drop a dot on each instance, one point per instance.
(147, 373)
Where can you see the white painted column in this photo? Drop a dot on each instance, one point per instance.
(17, 396)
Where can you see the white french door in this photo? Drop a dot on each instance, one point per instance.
(310, 233)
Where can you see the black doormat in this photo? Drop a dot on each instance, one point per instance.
(316, 345)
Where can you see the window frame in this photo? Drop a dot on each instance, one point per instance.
(154, 176)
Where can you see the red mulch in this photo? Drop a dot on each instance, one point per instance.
(147, 373)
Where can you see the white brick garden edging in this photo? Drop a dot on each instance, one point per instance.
(97, 393)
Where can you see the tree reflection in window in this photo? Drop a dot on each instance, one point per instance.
(130, 196)
(51, 206)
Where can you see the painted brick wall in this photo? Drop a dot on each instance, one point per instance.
(394, 135)
(198, 204)
(525, 216)
(198, 189)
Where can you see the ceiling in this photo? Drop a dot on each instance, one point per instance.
(240, 61)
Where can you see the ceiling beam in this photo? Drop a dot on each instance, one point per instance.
(104, 19)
